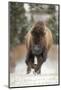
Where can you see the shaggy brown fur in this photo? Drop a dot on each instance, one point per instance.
(38, 43)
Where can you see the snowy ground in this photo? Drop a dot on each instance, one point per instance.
(48, 76)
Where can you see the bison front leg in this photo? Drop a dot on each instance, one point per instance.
(39, 64)
(28, 68)
(41, 59)
(29, 62)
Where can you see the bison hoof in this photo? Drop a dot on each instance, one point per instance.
(34, 73)
(28, 70)
(38, 72)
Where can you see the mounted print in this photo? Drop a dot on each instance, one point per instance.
(33, 44)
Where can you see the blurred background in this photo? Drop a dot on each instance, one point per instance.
(22, 16)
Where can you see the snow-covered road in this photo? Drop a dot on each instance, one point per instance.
(48, 76)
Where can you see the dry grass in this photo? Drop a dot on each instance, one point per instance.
(17, 53)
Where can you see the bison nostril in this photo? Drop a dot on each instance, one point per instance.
(36, 48)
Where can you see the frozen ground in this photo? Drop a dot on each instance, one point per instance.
(48, 76)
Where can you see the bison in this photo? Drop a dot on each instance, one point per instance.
(38, 43)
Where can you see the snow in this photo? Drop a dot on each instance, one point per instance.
(48, 76)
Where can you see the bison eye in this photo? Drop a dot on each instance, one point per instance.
(33, 32)
(42, 33)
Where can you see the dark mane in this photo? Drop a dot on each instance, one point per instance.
(39, 25)
(38, 29)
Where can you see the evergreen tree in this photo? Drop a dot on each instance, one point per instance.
(18, 23)
(52, 24)
(51, 9)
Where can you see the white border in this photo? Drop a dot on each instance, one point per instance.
(4, 43)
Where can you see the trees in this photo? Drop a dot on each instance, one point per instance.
(18, 23)
(53, 22)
